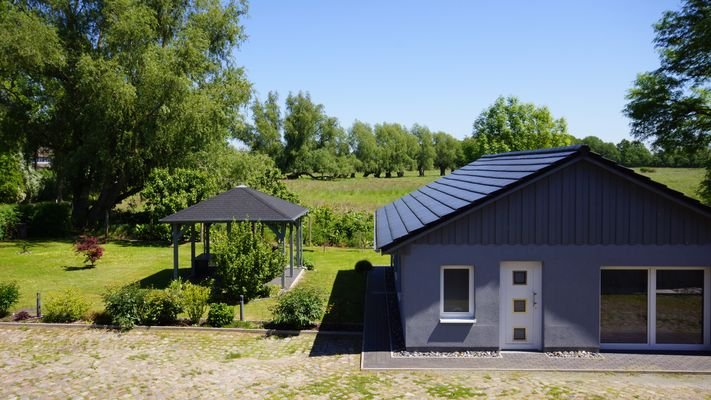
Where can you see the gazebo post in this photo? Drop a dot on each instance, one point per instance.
(291, 250)
(176, 238)
(300, 243)
(192, 249)
(207, 242)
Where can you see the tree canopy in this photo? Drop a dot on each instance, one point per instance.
(116, 88)
(671, 106)
(510, 125)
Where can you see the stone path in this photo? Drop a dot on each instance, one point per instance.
(289, 278)
(376, 349)
(77, 363)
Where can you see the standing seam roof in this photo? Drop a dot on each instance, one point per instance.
(475, 182)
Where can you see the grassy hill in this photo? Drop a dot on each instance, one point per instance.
(367, 194)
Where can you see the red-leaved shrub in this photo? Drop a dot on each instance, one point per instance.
(89, 247)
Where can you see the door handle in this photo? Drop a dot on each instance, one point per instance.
(534, 299)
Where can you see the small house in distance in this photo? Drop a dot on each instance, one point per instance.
(548, 250)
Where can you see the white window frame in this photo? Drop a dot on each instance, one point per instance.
(652, 312)
(456, 317)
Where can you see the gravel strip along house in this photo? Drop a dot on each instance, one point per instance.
(547, 250)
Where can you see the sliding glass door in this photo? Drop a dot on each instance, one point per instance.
(654, 308)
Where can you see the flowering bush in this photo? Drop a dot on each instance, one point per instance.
(89, 247)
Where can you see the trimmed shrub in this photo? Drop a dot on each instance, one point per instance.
(308, 264)
(21, 316)
(89, 247)
(220, 314)
(194, 301)
(363, 266)
(159, 308)
(9, 217)
(46, 219)
(124, 305)
(100, 318)
(298, 308)
(647, 170)
(245, 263)
(9, 295)
(67, 306)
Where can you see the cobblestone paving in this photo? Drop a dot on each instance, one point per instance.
(83, 363)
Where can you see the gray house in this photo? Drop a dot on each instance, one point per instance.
(549, 249)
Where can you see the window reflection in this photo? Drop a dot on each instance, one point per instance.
(680, 306)
(623, 308)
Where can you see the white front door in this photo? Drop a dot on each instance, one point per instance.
(520, 305)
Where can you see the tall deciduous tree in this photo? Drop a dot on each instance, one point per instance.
(605, 149)
(447, 152)
(393, 141)
(672, 105)
(265, 136)
(510, 125)
(425, 154)
(364, 148)
(116, 88)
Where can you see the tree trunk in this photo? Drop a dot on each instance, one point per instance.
(442, 171)
(400, 174)
(388, 174)
(422, 172)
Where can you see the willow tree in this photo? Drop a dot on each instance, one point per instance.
(116, 88)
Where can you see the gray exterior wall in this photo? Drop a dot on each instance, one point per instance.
(571, 289)
(575, 220)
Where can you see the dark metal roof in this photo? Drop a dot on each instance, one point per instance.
(239, 204)
(488, 177)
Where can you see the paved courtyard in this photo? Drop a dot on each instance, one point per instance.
(85, 363)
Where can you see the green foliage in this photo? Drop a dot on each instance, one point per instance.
(510, 125)
(265, 136)
(448, 152)
(299, 308)
(220, 314)
(365, 149)
(605, 149)
(9, 295)
(194, 299)
(125, 305)
(12, 185)
(9, 217)
(169, 191)
(350, 229)
(670, 106)
(633, 154)
(123, 88)
(395, 144)
(46, 219)
(160, 307)
(425, 155)
(363, 266)
(245, 262)
(67, 306)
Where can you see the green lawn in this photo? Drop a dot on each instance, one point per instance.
(335, 277)
(363, 194)
(51, 266)
(685, 180)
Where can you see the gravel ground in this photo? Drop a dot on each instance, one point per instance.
(62, 363)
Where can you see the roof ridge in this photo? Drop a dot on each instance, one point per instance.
(561, 149)
(253, 192)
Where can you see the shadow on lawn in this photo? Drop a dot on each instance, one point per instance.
(162, 278)
(70, 268)
(139, 243)
(344, 306)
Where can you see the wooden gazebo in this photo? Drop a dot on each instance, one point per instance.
(241, 204)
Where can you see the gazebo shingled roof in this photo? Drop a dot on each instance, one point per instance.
(239, 204)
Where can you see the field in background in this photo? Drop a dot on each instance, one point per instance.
(367, 194)
(361, 194)
(685, 180)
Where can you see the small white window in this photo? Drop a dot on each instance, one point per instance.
(457, 292)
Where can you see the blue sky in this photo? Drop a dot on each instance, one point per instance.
(441, 63)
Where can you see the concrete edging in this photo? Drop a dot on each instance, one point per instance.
(184, 328)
